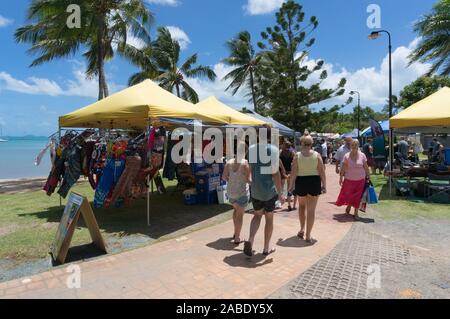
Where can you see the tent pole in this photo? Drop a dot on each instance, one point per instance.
(148, 182)
(59, 137)
(391, 169)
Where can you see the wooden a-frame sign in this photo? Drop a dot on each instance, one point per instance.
(76, 205)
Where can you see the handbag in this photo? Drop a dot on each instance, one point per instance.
(364, 200)
(372, 195)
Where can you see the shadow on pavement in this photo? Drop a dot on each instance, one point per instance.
(349, 218)
(293, 242)
(223, 244)
(243, 261)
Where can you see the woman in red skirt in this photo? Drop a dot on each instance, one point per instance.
(355, 171)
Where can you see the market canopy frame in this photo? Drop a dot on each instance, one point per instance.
(134, 107)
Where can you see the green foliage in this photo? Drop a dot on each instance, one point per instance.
(159, 61)
(434, 46)
(104, 23)
(242, 56)
(420, 89)
(276, 74)
(332, 120)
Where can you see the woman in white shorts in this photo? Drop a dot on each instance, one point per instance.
(237, 175)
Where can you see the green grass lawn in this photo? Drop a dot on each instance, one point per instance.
(395, 207)
(28, 221)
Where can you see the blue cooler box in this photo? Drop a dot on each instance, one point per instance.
(447, 156)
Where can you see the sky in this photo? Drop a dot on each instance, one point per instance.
(31, 99)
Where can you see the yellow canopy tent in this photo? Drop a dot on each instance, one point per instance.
(133, 107)
(216, 109)
(433, 111)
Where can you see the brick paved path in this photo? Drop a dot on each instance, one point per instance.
(203, 264)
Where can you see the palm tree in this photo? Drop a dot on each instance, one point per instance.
(105, 24)
(243, 57)
(159, 61)
(434, 46)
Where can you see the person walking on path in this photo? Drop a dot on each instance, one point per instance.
(353, 176)
(238, 176)
(339, 156)
(265, 190)
(308, 182)
(368, 151)
(286, 158)
(324, 152)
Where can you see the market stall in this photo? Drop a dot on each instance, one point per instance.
(368, 131)
(122, 145)
(430, 115)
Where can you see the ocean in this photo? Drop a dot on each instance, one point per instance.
(17, 157)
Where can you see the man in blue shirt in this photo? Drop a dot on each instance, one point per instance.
(265, 190)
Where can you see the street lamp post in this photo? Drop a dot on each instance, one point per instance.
(375, 35)
(358, 111)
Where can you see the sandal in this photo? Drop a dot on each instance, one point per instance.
(311, 241)
(237, 242)
(301, 234)
(248, 248)
(267, 253)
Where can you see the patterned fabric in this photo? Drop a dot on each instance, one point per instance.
(72, 170)
(111, 174)
(123, 187)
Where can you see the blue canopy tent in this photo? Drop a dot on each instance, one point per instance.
(284, 130)
(368, 131)
(353, 134)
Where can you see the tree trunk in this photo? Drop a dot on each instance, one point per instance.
(105, 84)
(252, 83)
(178, 90)
(102, 86)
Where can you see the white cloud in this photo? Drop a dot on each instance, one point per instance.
(206, 88)
(257, 7)
(172, 3)
(79, 86)
(179, 35)
(32, 86)
(373, 82)
(5, 21)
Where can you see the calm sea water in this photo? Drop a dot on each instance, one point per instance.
(17, 158)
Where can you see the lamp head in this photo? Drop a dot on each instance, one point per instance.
(352, 92)
(374, 35)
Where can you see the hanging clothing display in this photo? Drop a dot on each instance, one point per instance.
(72, 170)
(110, 176)
(169, 165)
(123, 187)
(116, 163)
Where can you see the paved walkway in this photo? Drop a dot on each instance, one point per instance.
(203, 264)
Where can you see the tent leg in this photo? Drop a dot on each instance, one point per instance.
(148, 191)
(148, 202)
(59, 136)
(391, 145)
